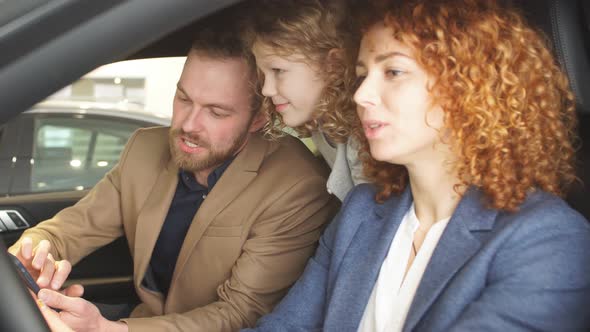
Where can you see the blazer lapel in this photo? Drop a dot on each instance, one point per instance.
(234, 180)
(455, 247)
(362, 262)
(151, 218)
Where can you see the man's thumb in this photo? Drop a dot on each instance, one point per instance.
(52, 298)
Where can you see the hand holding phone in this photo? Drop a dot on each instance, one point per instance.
(25, 275)
(45, 270)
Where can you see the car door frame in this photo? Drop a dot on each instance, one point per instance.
(95, 33)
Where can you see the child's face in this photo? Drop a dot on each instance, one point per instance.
(293, 86)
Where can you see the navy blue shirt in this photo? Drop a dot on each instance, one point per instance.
(186, 202)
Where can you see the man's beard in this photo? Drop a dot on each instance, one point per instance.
(213, 157)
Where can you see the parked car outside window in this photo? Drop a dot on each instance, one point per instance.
(67, 145)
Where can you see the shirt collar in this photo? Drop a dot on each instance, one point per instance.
(190, 182)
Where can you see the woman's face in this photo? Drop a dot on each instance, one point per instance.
(293, 86)
(393, 102)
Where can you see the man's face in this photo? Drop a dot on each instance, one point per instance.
(212, 115)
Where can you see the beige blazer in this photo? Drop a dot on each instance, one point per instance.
(247, 244)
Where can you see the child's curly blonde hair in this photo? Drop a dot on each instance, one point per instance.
(311, 28)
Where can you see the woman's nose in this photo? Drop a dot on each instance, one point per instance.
(367, 93)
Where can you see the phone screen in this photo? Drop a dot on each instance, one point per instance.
(24, 274)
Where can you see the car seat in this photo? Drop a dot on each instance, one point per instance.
(567, 24)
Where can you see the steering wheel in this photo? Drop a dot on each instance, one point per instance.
(18, 310)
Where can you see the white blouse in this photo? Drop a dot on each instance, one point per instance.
(392, 295)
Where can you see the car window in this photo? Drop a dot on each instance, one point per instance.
(75, 136)
(73, 153)
(78, 134)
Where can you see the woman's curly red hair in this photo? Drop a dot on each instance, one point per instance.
(508, 105)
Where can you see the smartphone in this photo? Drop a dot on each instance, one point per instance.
(25, 275)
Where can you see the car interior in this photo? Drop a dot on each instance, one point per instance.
(48, 44)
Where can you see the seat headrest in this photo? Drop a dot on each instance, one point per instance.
(567, 24)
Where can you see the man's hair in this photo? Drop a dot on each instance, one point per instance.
(508, 106)
(219, 36)
(311, 28)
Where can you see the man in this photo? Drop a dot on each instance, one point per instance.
(220, 222)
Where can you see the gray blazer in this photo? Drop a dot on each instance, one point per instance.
(347, 169)
(491, 270)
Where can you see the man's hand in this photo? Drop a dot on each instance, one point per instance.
(79, 314)
(52, 319)
(48, 272)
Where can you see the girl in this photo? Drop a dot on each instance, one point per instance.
(308, 79)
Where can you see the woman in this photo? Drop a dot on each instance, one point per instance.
(308, 79)
(469, 122)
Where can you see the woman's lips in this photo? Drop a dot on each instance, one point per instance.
(372, 129)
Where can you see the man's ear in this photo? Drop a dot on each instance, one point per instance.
(260, 119)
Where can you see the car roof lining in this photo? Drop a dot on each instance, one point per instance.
(114, 34)
(136, 39)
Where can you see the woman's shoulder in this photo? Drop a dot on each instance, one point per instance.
(545, 243)
(545, 208)
(546, 219)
